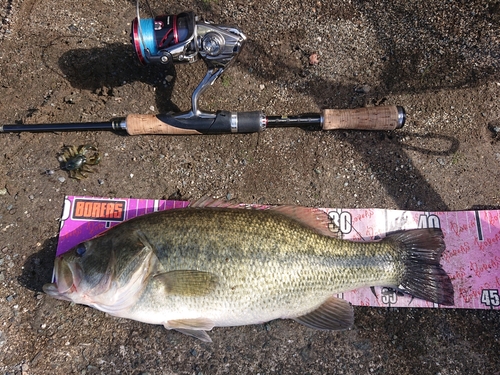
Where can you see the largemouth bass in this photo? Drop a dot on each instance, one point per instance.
(201, 267)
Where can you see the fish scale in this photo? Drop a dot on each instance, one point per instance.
(196, 268)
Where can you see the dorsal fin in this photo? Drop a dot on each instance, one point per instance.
(312, 218)
(210, 202)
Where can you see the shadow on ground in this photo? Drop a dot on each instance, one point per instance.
(37, 269)
(110, 66)
(453, 60)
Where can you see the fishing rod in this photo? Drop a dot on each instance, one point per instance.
(182, 38)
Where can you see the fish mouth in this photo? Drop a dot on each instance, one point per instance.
(67, 279)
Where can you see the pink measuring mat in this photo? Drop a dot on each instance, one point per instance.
(471, 259)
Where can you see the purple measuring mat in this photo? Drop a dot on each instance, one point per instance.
(471, 259)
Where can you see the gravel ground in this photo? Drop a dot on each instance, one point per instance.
(72, 61)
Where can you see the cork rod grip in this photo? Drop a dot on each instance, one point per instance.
(150, 124)
(373, 118)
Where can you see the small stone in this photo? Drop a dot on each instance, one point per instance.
(363, 89)
(61, 179)
(314, 59)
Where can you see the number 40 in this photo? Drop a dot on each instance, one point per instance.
(490, 297)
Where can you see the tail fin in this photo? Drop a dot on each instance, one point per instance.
(423, 276)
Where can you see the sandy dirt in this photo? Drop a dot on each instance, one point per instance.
(72, 61)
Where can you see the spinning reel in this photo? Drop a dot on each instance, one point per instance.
(182, 38)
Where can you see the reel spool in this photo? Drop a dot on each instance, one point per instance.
(161, 39)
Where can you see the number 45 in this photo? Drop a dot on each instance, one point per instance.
(490, 297)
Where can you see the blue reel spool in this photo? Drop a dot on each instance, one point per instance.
(147, 39)
(143, 39)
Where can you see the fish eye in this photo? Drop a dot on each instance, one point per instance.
(80, 250)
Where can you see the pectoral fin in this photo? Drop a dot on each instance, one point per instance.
(188, 282)
(333, 314)
(192, 327)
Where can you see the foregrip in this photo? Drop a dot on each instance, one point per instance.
(223, 122)
(372, 118)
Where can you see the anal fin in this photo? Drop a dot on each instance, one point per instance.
(334, 314)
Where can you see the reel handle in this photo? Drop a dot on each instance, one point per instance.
(372, 118)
